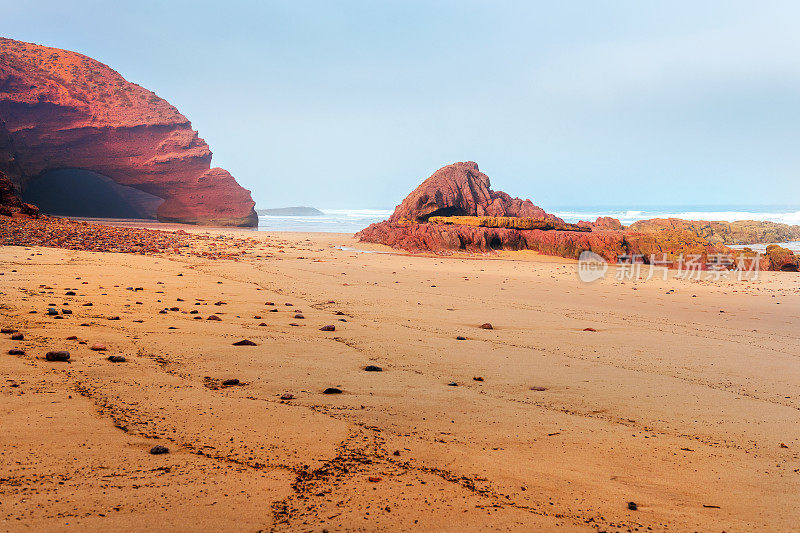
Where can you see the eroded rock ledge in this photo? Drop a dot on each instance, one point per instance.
(63, 110)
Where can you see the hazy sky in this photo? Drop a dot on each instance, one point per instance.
(353, 103)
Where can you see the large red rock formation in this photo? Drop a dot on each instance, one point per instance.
(440, 216)
(61, 109)
(461, 189)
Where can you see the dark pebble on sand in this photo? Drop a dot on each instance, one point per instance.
(332, 390)
(328, 328)
(230, 382)
(214, 317)
(589, 329)
(486, 326)
(244, 342)
(116, 358)
(373, 368)
(52, 311)
(66, 311)
(632, 506)
(8, 330)
(460, 338)
(287, 396)
(59, 355)
(69, 293)
(16, 351)
(452, 384)
(159, 449)
(17, 337)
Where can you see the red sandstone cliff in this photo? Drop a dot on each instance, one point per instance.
(61, 109)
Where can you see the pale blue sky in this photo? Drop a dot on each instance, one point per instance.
(352, 103)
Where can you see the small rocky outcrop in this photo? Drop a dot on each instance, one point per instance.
(10, 203)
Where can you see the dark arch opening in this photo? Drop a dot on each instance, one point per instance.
(450, 211)
(82, 193)
(495, 243)
(788, 267)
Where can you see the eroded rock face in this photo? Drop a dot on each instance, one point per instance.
(61, 109)
(781, 259)
(461, 189)
(10, 204)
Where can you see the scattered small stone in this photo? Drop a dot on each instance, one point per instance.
(589, 329)
(66, 311)
(16, 351)
(486, 326)
(328, 328)
(332, 390)
(783, 445)
(69, 293)
(477, 378)
(116, 358)
(220, 303)
(51, 311)
(460, 338)
(373, 368)
(339, 313)
(159, 449)
(374, 479)
(539, 389)
(17, 337)
(287, 396)
(452, 384)
(58, 355)
(8, 330)
(244, 342)
(632, 506)
(273, 310)
(114, 318)
(263, 324)
(88, 304)
(256, 317)
(230, 382)
(396, 453)
(269, 303)
(299, 316)
(214, 317)
(98, 347)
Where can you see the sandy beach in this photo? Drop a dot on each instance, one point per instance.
(684, 400)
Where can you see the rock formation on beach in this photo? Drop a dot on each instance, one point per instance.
(456, 209)
(63, 110)
(461, 189)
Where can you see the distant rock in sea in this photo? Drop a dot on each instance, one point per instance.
(299, 211)
(60, 110)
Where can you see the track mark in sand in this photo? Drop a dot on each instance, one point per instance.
(322, 493)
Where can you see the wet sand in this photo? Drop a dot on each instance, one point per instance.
(684, 400)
